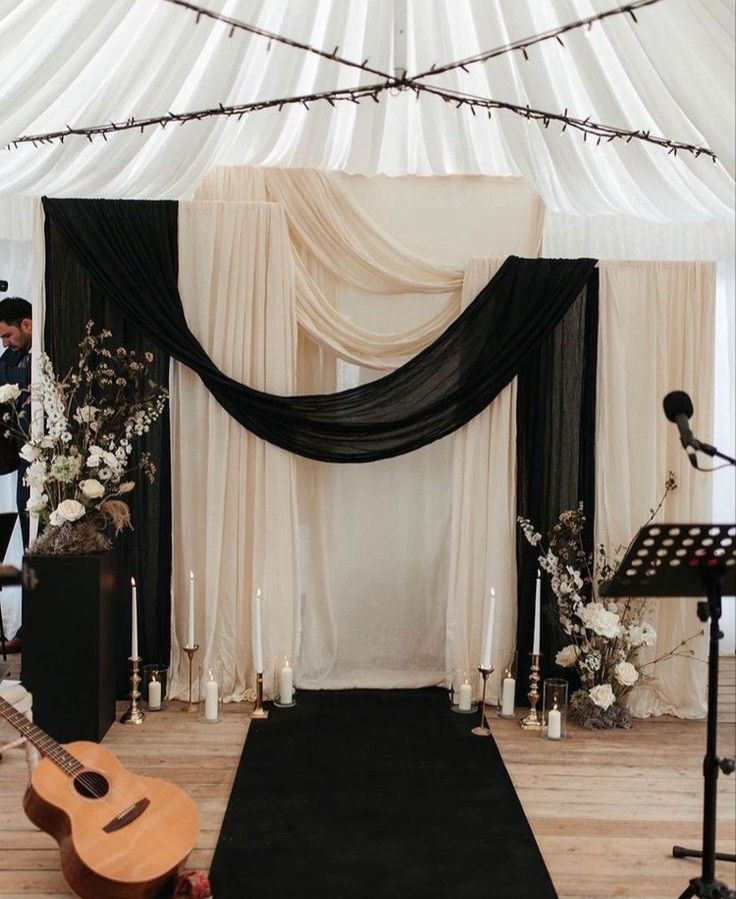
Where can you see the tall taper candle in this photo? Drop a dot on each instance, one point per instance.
(485, 654)
(257, 642)
(190, 617)
(537, 601)
(133, 619)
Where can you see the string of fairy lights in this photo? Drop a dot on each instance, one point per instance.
(598, 132)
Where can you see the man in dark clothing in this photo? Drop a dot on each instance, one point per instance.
(16, 332)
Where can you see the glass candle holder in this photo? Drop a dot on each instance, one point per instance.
(507, 685)
(154, 686)
(464, 702)
(210, 693)
(284, 683)
(554, 709)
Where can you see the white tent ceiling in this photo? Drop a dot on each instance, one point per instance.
(82, 62)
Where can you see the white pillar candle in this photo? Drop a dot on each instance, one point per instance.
(507, 696)
(190, 616)
(210, 698)
(257, 641)
(554, 724)
(133, 619)
(490, 613)
(465, 696)
(537, 605)
(154, 694)
(286, 683)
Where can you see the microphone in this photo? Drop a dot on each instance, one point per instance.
(678, 407)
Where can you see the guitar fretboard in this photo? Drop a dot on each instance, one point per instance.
(45, 744)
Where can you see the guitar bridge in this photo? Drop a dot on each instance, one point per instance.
(129, 815)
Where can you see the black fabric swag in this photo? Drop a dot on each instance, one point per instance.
(129, 248)
(72, 299)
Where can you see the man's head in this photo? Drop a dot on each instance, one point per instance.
(16, 323)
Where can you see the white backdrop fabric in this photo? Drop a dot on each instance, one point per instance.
(233, 495)
(376, 540)
(656, 335)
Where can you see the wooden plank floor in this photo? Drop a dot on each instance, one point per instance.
(605, 808)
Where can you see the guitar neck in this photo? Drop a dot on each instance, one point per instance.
(45, 744)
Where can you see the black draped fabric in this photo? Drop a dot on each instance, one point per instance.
(72, 299)
(555, 459)
(129, 248)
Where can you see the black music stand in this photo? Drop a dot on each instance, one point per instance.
(690, 560)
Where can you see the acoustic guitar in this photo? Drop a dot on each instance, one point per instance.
(120, 836)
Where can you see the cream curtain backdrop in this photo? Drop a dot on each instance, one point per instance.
(233, 495)
(483, 523)
(331, 232)
(655, 335)
(376, 540)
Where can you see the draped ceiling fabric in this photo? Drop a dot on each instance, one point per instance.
(88, 62)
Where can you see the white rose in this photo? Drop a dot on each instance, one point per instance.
(636, 636)
(110, 459)
(626, 674)
(602, 696)
(91, 488)
(36, 474)
(70, 510)
(29, 452)
(598, 619)
(9, 393)
(649, 635)
(55, 519)
(567, 657)
(87, 415)
(36, 506)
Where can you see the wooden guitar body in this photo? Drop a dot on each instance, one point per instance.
(120, 836)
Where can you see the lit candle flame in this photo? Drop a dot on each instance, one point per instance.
(132, 582)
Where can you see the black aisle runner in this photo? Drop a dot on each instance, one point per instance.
(374, 793)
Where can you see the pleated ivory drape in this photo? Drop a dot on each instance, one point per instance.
(234, 495)
(655, 335)
(329, 231)
(483, 522)
(330, 640)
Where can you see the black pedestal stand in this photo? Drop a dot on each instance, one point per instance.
(689, 560)
(706, 885)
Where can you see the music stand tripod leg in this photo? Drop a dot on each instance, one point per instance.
(706, 885)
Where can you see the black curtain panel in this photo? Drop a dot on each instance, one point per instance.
(129, 248)
(555, 459)
(72, 299)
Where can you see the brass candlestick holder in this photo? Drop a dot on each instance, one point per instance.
(191, 706)
(532, 721)
(134, 714)
(482, 730)
(259, 713)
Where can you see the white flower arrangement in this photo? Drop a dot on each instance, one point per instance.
(605, 636)
(82, 463)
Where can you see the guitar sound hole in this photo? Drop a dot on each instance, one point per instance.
(91, 785)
